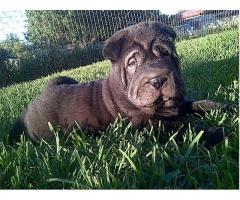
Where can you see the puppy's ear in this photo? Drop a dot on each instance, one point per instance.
(112, 47)
(169, 30)
(166, 29)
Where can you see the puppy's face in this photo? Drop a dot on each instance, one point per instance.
(145, 58)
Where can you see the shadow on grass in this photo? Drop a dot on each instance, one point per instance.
(203, 79)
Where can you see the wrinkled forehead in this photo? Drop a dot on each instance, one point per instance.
(144, 35)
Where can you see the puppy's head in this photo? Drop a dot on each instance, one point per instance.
(145, 59)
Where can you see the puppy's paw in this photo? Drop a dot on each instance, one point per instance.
(213, 136)
(205, 105)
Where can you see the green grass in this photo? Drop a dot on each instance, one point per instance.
(125, 157)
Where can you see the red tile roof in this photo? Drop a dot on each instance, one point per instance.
(191, 13)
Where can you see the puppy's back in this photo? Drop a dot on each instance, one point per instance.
(35, 114)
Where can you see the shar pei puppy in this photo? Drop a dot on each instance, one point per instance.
(145, 84)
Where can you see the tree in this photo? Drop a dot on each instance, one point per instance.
(83, 27)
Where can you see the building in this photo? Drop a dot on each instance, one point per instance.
(190, 20)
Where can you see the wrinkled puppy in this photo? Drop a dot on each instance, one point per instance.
(145, 83)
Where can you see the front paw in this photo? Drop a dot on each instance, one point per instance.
(208, 105)
(205, 105)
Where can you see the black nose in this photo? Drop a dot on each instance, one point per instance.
(158, 82)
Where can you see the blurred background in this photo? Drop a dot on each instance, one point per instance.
(37, 43)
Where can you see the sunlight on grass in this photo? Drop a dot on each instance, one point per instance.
(125, 157)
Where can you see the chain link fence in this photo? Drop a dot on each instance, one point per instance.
(37, 43)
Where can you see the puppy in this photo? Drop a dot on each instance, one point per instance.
(145, 83)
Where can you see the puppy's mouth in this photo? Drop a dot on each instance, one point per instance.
(167, 106)
(158, 102)
(167, 102)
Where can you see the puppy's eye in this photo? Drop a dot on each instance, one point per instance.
(132, 65)
(132, 62)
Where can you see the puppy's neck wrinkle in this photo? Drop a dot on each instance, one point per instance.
(102, 113)
(117, 103)
(108, 98)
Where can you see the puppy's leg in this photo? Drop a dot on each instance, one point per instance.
(212, 135)
(203, 106)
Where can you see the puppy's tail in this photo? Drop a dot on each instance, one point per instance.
(62, 80)
(16, 131)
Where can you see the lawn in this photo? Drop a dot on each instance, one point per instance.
(125, 157)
